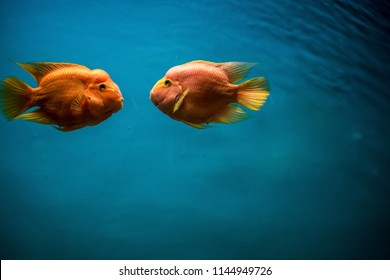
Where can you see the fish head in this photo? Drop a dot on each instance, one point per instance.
(104, 96)
(165, 93)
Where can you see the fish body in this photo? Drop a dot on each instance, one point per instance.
(69, 96)
(201, 92)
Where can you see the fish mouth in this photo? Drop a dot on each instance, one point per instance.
(156, 99)
(118, 105)
(109, 112)
(156, 103)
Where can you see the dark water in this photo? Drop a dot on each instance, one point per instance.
(307, 177)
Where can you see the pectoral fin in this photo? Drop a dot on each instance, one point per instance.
(180, 101)
(79, 103)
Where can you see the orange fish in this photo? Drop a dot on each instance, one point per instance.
(201, 92)
(68, 96)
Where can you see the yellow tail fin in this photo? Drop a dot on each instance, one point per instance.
(253, 93)
(15, 97)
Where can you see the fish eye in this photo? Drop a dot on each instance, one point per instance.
(167, 83)
(102, 87)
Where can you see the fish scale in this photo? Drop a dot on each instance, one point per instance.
(201, 92)
(69, 96)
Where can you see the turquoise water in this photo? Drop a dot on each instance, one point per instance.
(307, 177)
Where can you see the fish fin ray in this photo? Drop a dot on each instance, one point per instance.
(202, 61)
(253, 93)
(231, 114)
(236, 70)
(37, 116)
(16, 97)
(41, 69)
(70, 128)
(180, 101)
(78, 103)
(199, 126)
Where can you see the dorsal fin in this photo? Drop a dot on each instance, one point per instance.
(236, 70)
(41, 69)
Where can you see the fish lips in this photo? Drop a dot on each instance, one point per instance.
(157, 99)
(119, 104)
(116, 106)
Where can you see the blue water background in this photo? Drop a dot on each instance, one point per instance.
(307, 177)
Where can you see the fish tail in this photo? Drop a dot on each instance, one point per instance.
(253, 93)
(15, 97)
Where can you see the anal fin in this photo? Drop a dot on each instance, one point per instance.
(36, 116)
(69, 128)
(230, 114)
(199, 126)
